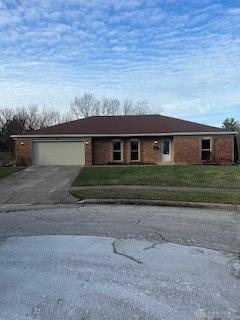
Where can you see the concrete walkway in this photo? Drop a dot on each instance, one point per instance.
(164, 188)
(38, 185)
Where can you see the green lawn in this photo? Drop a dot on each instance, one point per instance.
(192, 175)
(6, 171)
(205, 197)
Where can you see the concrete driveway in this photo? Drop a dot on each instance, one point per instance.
(38, 185)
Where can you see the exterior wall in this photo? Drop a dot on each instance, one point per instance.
(223, 150)
(150, 153)
(187, 149)
(23, 152)
(102, 151)
(88, 151)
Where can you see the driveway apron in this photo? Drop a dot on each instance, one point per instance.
(38, 185)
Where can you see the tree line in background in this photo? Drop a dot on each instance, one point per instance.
(19, 120)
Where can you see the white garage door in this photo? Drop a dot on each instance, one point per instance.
(58, 153)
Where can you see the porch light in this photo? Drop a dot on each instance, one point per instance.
(22, 143)
(155, 142)
(87, 142)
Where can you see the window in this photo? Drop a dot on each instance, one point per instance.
(206, 149)
(134, 145)
(117, 150)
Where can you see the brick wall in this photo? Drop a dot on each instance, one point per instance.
(88, 151)
(150, 153)
(102, 151)
(223, 149)
(187, 149)
(23, 151)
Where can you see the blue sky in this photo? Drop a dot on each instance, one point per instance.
(183, 56)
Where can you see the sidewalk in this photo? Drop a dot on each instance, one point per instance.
(148, 187)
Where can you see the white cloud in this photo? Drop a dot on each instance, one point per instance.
(178, 56)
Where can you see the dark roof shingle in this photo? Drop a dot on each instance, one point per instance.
(136, 124)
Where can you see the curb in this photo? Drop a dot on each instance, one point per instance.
(164, 203)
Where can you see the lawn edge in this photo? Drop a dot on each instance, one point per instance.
(165, 203)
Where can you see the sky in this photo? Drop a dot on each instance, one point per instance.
(183, 56)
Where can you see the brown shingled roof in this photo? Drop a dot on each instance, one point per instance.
(136, 124)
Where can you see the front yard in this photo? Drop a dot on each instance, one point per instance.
(184, 176)
(189, 177)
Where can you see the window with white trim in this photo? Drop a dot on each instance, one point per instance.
(135, 150)
(117, 150)
(206, 149)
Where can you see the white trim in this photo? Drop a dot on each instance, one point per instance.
(170, 151)
(123, 135)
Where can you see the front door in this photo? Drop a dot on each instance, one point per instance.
(166, 150)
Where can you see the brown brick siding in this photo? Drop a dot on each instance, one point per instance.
(88, 151)
(23, 151)
(102, 151)
(150, 153)
(223, 149)
(187, 149)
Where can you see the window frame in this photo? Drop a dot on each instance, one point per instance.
(204, 149)
(121, 150)
(138, 151)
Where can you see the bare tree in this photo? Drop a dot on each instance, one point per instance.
(127, 107)
(88, 105)
(96, 108)
(19, 120)
(110, 107)
(83, 106)
(5, 115)
(67, 116)
(141, 107)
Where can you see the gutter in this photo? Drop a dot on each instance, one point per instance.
(32, 136)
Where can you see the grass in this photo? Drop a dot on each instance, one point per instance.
(6, 171)
(188, 176)
(205, 197)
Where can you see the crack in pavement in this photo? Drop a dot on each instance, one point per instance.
(158, 232)
(115, 251)
(138, 221)
(153, 246)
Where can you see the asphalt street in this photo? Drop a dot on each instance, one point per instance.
(120, 263)
(213, 229)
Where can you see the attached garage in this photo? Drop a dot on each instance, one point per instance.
(46, 153)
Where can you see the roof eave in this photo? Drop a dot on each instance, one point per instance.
(32, 136)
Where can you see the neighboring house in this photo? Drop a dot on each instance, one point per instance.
(143, 139)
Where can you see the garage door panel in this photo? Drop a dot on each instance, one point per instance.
(58, 153)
